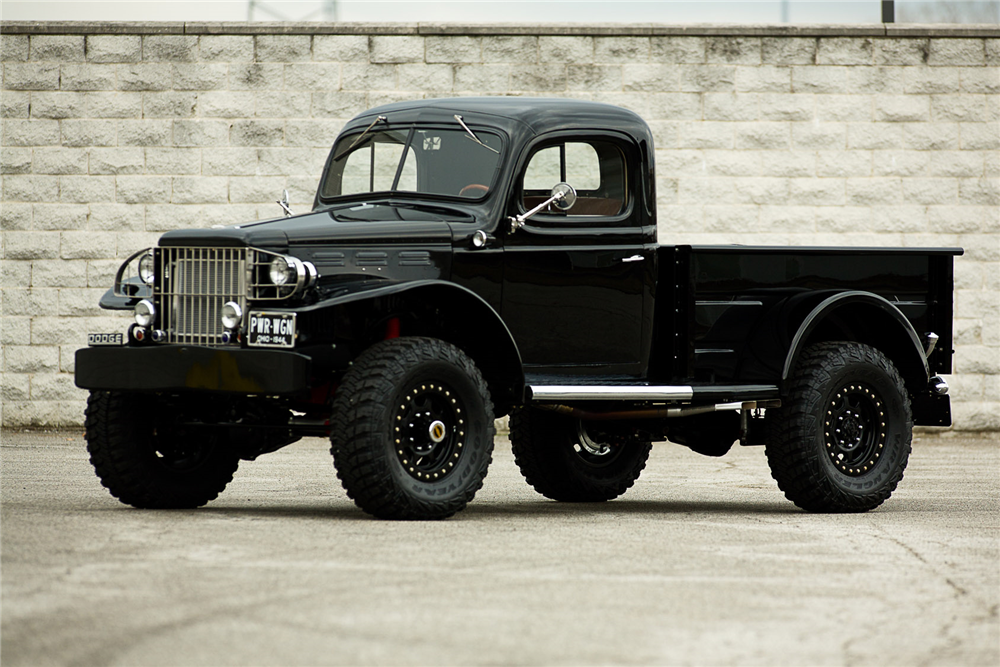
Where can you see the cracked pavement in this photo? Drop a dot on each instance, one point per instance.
(702, 562)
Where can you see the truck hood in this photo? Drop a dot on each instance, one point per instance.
(356, 224)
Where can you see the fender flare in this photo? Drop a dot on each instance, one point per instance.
(495, 352)
(911, 360)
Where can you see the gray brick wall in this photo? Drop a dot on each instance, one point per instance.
(113, 134)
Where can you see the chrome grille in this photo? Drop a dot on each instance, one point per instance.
(192, 286)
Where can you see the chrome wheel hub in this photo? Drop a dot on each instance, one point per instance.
(590, 446)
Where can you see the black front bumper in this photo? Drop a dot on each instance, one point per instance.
(189, 367)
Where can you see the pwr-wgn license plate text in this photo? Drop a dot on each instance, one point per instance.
(271, 330)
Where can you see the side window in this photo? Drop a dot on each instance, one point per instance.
(596, 169)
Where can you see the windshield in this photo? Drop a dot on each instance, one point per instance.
(448, 162)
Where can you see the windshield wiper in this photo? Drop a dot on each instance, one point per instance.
(362, 136)
(472, 134)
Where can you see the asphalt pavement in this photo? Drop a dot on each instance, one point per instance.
(702, 563)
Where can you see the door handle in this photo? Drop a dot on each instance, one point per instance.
(633, 258)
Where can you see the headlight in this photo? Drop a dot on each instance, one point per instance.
(145, 313)
(147, 268)
(281, 271)
(232, 315)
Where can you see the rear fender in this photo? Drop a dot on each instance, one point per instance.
(866, 318)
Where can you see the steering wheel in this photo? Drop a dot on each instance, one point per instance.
(473, 186)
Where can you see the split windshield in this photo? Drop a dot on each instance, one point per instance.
(422, 160)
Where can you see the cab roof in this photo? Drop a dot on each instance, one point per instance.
(538, 115)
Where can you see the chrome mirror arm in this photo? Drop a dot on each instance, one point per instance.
(517, 221)
(562, 192)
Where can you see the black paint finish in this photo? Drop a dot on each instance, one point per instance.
(583, 297)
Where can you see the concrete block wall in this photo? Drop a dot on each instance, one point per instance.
(844, 135)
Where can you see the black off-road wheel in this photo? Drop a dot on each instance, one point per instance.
(561, 460)
(842, 439)
(145, 459)
(413, 429)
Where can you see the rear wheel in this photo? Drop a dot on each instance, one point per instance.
(564, 460)
(147, 456)
(413, 429)
(842, 440)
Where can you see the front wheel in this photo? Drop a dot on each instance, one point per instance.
(413, 429)
(147, 453)
(842, 440)
(565, 460)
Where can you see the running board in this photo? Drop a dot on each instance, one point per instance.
(665, 393)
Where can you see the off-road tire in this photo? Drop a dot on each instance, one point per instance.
(153, 467)
(383, 443)
(547, 450)
(841, 441)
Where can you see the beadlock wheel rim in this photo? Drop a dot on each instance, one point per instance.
(429, 431)
(854, 429)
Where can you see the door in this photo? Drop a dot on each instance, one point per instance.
(574, 281)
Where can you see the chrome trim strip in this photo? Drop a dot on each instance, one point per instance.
(562, 392)
(714, 390)
(559, 392)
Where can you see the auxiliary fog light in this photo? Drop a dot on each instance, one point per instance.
(147, 268)
(145, 313)
(232, 315)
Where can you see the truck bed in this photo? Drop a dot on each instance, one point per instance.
(733, 308)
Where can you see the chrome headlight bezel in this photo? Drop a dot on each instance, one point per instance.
(275, 277)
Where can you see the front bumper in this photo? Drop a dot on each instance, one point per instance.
(189, 367)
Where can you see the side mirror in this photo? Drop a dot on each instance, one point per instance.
(563, 196)
(566, 196)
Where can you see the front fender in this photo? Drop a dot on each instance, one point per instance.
(135, 290)
(467, 320)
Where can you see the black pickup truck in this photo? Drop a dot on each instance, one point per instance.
(470, 258)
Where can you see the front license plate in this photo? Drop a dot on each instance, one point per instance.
(105, 339)
(271, 330)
